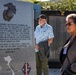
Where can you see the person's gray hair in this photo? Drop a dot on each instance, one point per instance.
(71, 16)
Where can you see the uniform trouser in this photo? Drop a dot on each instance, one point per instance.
(41, 65)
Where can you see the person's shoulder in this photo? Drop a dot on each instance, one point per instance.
(49, 26)
(37, 27)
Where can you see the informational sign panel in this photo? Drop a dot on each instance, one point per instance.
(17, 56)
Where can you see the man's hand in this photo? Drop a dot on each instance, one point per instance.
(50, 41)
(37, 47)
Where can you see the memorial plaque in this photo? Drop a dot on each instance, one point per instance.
(17, 56)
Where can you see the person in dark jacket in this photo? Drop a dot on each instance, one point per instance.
(68, 52)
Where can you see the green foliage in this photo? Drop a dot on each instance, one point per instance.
(32, 1)
(63, 5)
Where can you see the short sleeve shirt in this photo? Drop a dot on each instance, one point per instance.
(43, 34)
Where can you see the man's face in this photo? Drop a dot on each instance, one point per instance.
(42, 21)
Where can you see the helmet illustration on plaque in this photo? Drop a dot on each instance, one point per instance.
(9, 12)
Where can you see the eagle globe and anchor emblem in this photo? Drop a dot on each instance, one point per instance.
(9, 12)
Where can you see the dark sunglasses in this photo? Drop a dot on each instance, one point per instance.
(69, 23)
